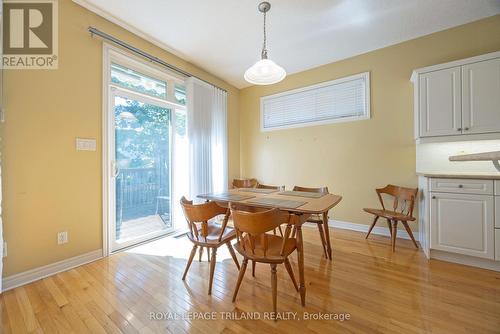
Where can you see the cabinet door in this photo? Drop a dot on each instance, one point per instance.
(497, 213)
(440, 111)
(462, 223)
(481, 97)
(497, 242)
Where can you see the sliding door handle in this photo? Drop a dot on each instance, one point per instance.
(114, 169)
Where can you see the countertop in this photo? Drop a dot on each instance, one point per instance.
(470, 175)
(486, 156)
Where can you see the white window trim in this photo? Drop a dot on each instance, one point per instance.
(111, 55)
(367, 115)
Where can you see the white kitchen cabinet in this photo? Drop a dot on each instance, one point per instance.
(458, 99)
(481, 97)
(462, 186)
(497, 215)
(440, 103)
(497, 241)
(463, 224)
(497, 187)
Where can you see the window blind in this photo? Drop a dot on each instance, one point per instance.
(338, 100)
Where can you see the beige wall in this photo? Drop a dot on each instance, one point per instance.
(48, 186)
(354, 158)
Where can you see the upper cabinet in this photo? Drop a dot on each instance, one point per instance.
(458, 99)
(481, 97)
(440, 105)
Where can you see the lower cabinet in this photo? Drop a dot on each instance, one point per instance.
(497, 242)
(463, 224)
(497, 214)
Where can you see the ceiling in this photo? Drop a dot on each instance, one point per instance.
(224, 37)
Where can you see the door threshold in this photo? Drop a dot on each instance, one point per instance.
(174, 233)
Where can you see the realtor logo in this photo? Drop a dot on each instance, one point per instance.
(30, 34)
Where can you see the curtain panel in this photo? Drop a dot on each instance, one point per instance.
(207, 133)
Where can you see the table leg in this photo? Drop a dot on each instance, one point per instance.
(300, 255)
(327, 235)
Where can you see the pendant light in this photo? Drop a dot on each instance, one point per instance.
(265, 71)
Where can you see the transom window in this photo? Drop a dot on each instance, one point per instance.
(128, 78)
(129, 74)
(180, 94)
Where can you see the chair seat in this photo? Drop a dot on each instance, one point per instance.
(389, 214)
(274, 243)
(212, 238)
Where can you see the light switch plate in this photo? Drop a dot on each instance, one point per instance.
(85, 144)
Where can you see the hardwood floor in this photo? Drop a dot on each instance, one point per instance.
(381, 291)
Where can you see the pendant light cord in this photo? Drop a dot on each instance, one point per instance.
(264, 50)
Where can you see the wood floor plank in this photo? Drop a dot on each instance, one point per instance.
(16, 320)
(382, 291)
(108, 325)
(52, 309)
(41, 311)
(5, 317)
(55, 292)
(26, 310)
(78, 298)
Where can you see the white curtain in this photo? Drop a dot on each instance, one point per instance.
(207, 132)
(1, 110)
(1, 232)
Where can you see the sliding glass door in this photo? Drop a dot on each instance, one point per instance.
(142, 170)
(143, 106)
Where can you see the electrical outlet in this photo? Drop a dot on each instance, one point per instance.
(62, 237)
(4, 249)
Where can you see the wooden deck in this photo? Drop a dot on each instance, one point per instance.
(383, 292)
(134, 228)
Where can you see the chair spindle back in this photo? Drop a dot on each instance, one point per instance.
(404, 198)
(322, 190)
(252, 226)
(266, 186)
(245, 183)
(200, 214)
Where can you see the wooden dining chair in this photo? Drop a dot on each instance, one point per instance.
(245, 183)
(267, 186)
(278, 188)
(205, 232)
(402, 210)
(320, 220)
(254, 244)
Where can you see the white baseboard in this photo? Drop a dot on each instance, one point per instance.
(35, 274)
(380, 230)
(465, 260)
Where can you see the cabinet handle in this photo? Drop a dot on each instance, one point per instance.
(459, 129)
(433, 197)
(466, 129)
(460, 185)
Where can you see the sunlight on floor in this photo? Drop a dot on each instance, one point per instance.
(175, 247)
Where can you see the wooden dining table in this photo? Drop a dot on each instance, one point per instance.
(300, 205)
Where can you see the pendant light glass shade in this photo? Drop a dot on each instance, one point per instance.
(265, 72)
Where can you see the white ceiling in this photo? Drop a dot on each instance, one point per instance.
(225, 36)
